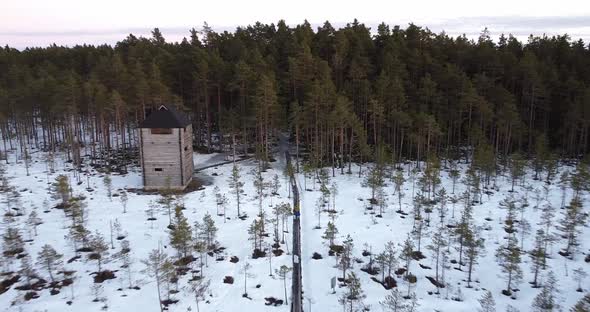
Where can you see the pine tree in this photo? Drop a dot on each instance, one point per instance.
(124, 199)
(33, 221)
(333, 192)
(151, 213)
(209, 231)
(167, 201)
(375, 179)
(255, 231)
(431, 177)
(485, 161)
(546, 300)
(454, 174)
(583, 305)
(394, 302)
(580, 180)
(319, 207)
(118, 229)
(260, 185)
(78, 211)
(330, 233)
(564, 181)
(275, 185)
(551, 166)
(79, 234)
(413, 305)
(399, 180)
(510, 308)
(13, 243)
(223, 202)
(487, 302)
(97, 291)
(381, 260)
(100, 250)
(547, 215)
(282, 272)
(288, 172)
(538, 256)
(199, 287)
(381, 201)
(218, 197)
(181, 233)
(112, 230)
(419, 228)
(390, 259)
(200, 245)
(523, 226)
(345, 261)
(236, 185)
(277, 211)
(307, 173)
(108, 183)
(127, 260)
(27, 270)
(61, 189)
(50, 260)
(508, 256)
(442, 205)
(73, 277)
(323, 177)
(285, 212)
(579, 276)
(517, 168)
(463, 229)
(246, 271)
(354, 295)
(509, 204)
(155, 268)
(474, 246)
(573, 218)
(541, 154)
(473, 183)
(407, 253)
(437, 246)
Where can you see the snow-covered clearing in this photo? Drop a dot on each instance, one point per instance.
(144, 237)
(352, 218)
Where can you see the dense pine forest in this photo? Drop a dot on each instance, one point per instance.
(341, 92)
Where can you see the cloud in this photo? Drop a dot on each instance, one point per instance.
(519, 26)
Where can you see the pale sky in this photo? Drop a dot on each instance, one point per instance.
(67, 22)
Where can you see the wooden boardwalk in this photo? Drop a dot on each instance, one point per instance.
(296, 289)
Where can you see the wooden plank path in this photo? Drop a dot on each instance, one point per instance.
(296, 289)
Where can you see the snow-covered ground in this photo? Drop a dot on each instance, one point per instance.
(352, 219)
(144, 237)
(364, 228)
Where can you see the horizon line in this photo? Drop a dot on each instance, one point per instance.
(576, 27)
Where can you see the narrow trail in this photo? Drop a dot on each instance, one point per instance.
(296, 289)
(306, 255)
(221, 163)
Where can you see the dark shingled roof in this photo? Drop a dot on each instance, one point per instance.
(165, 117)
